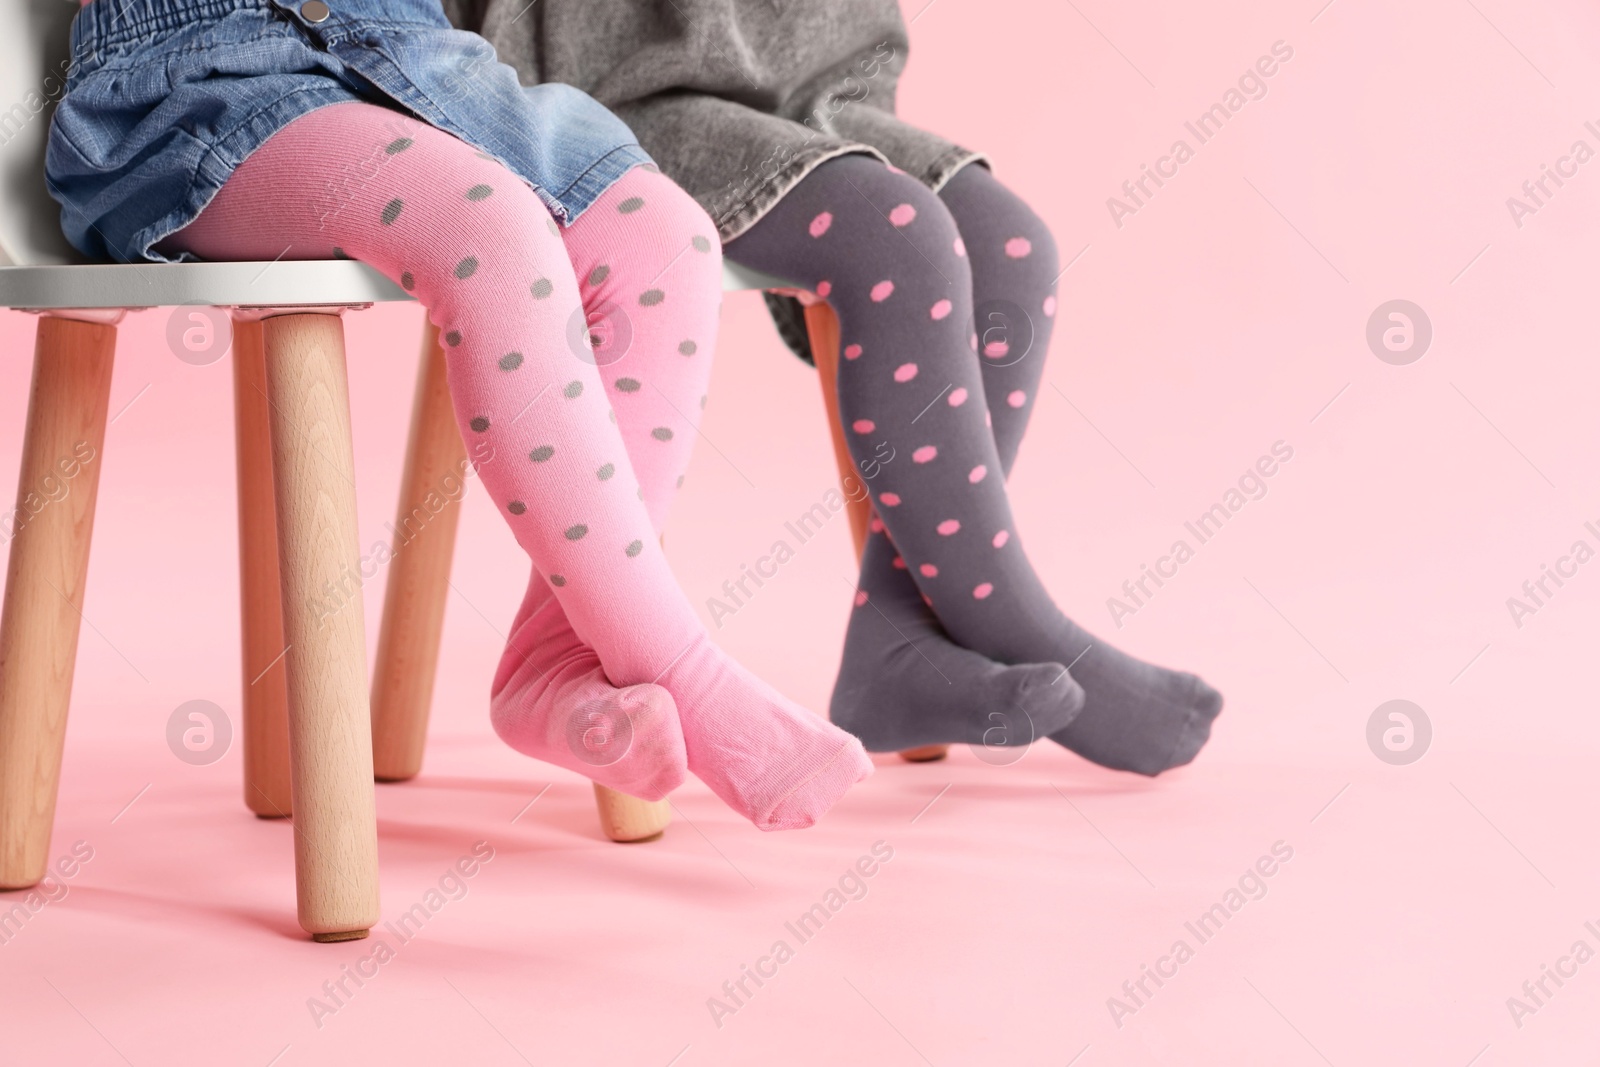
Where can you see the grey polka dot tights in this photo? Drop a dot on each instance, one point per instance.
(945, 304)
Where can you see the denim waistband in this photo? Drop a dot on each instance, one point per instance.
(112, 24)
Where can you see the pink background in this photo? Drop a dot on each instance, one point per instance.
(1223, 317)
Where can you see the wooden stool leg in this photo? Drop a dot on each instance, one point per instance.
(822, 328)
(330, 724)
(50, 532)
(626, 818)
(419, 576)
(265, 702)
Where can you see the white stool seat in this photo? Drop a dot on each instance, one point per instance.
(284, 283)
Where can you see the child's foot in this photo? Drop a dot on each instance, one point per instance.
(552, 701)
(904, 684)
(1136, 716)
(777, 764)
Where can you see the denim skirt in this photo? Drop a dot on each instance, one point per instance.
(165, 98)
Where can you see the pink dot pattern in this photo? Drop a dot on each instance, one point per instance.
(881, 298)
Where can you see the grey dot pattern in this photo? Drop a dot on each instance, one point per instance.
(398, 145)
(391, 211)
(543, 288)
(408, 281)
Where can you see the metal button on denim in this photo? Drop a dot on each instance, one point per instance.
(314, 11)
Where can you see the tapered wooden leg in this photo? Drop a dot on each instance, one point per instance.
(265, 682)
(626, 818)
(822, 328)
(330, 724)
(49, 533)
(424, 536)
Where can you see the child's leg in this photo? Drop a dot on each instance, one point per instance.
(483, 255)
(1015, 268)
(1014, 272)
(655, 361)
(887, 254)
(886, 692)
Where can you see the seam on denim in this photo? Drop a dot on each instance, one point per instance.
(208, 178)
(950, 163)
(763, 197)
(635, 152)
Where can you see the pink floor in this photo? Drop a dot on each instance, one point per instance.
(1227, 314)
